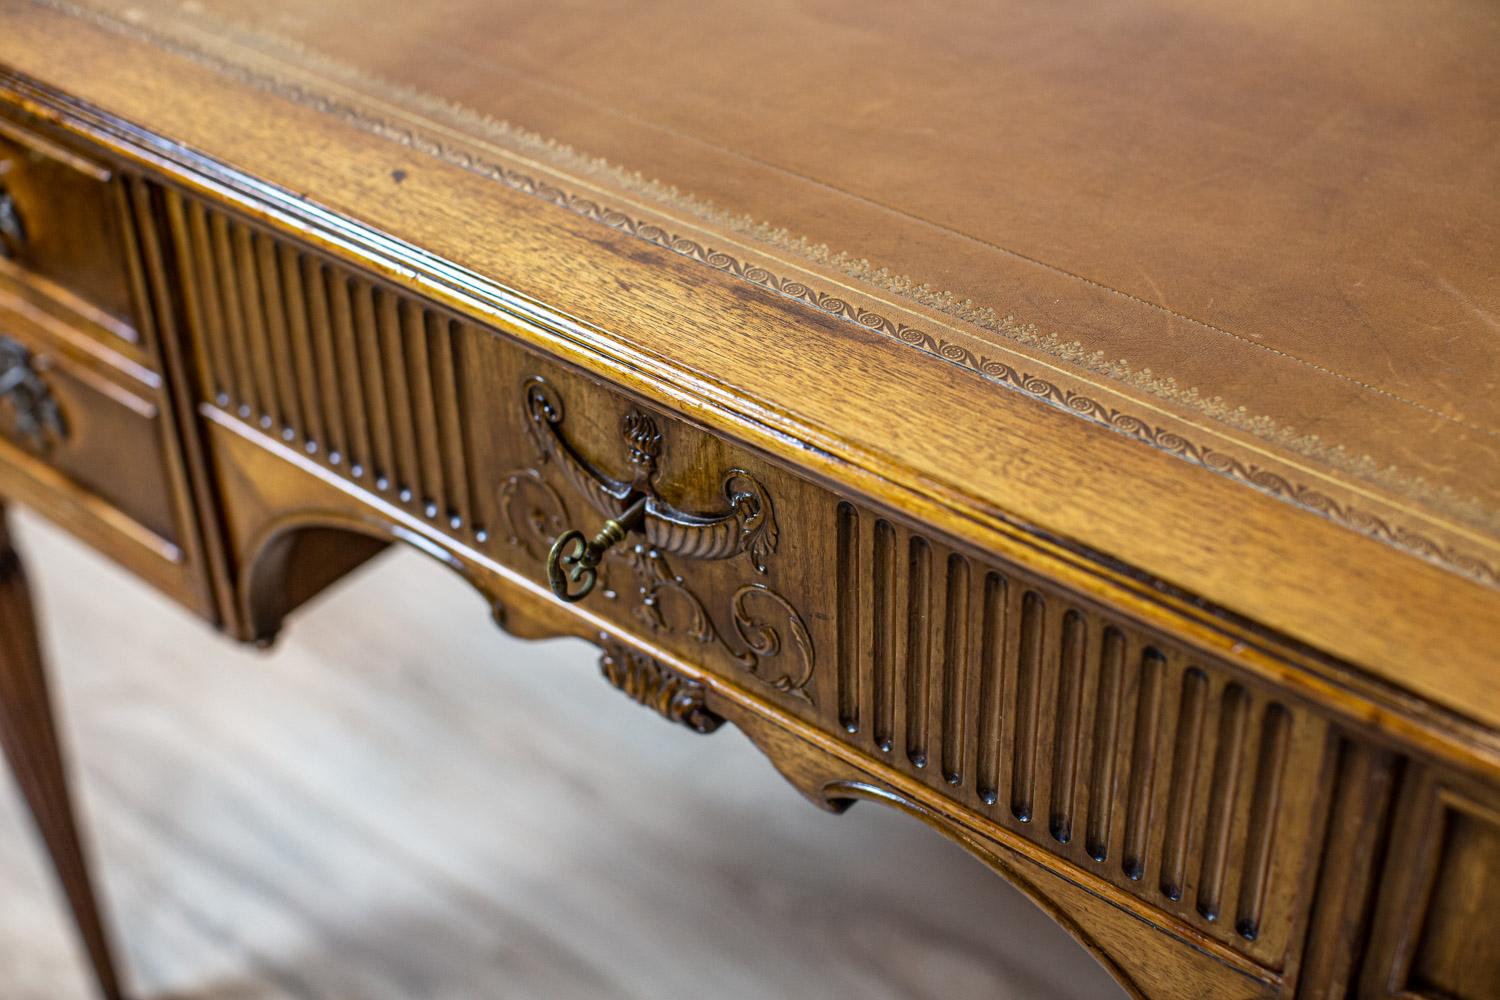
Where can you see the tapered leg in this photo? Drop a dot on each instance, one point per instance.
(31, 748)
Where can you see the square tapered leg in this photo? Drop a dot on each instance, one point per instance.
(29, 738)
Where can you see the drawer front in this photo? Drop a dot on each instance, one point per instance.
(1115, 749)
(1433, 934)
(61, 223)
(98, 425)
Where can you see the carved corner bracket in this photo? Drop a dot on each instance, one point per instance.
(35, 420)
(774, 643)
(656, 686)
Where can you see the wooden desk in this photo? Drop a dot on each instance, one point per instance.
(1075, 428)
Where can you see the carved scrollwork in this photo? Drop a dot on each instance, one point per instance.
(531, 511)
(771, 629)
(773, 641)
(764, 641)
(544, 412)
(648, 682)
(35, 418)
(747, 525)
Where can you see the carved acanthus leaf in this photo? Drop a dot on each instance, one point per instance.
(654, 685)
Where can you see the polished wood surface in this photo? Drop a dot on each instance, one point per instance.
(1216, 690)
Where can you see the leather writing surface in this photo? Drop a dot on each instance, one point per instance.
(1291, 207)
(1272, 224)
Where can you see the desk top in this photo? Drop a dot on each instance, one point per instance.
(1210, 290)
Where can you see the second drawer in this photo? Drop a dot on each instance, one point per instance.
(80, 420)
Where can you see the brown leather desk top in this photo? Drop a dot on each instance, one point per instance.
(1287, 215)
(1247, 253)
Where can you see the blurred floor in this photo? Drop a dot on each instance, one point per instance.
(401, 801)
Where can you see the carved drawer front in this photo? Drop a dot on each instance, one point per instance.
(1434, 933)
(86, 430)
(1127, 757)
(67, 232)
(722, 561)
(502, 450)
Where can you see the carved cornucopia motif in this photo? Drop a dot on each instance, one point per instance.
(775, 644)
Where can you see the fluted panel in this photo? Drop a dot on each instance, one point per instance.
(849, 584)
(1141, 762)
(917, 662)
(359, 376)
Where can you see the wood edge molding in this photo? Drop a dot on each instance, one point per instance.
(838, 775)
(1349, 691)
(63, 502)
(37, 289)
(845, 791)
(52, 150)
(93, 351)
(641, 207)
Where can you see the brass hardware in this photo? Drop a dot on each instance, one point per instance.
(12, 232)
(573, 560)
(35, 414)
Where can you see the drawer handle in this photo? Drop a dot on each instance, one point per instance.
(12, 231)
(747, 524)
(770, 638)
(37, 419)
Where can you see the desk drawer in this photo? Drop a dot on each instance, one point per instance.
(62, 219)
(1431, 935)
(93, 420)
(1101, 741)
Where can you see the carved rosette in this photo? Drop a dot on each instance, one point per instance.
(648, 682)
